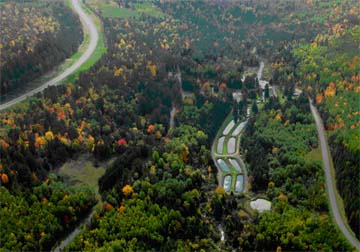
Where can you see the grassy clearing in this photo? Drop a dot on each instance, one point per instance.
(111, 9)
(148, 9)
(111, 12)
(314, 155)
(82, 171)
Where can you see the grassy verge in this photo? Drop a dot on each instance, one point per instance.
(339, 200)
(316, 155)
(99, 51)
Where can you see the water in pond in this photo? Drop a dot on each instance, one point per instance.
(231, 145)
(229, 127)
(239, 184)
(227, 183)
(235, 164)
(224, 167)
(220, 145)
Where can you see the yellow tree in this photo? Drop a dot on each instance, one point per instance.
(127, 190)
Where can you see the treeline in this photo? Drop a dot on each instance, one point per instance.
(154, 195)
(121, 108)
(48, 35)
(333, 82)
(120, 105)
(283, 136)
(153, 188)
(326, 68)
(347, 170)
(37, 222)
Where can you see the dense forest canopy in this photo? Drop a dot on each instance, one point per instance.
(153, 105)
(35, 37)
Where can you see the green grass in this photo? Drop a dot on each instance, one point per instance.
(148, 9)
(280, 95)
(99, 52)
(316, 155)
(82, 171)
(339, 200)
(113, 11)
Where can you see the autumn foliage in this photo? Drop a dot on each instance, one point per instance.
(4, 178)
(127, 190)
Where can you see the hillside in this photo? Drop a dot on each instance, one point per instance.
(142, 122)
(46, 34)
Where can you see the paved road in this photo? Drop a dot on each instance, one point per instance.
(94, 37)
(329, 182)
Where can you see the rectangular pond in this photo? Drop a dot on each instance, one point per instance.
(235, 164)
(227, 183)
(220, 145)
(224, 167)
(229, 127)
(239, 184)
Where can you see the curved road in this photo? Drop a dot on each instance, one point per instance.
(94, 37)
(329, 182)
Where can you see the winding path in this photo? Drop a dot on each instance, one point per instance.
(89, 25)
(329, 182)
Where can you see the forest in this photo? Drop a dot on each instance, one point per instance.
(45, 35)
(182, 61)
